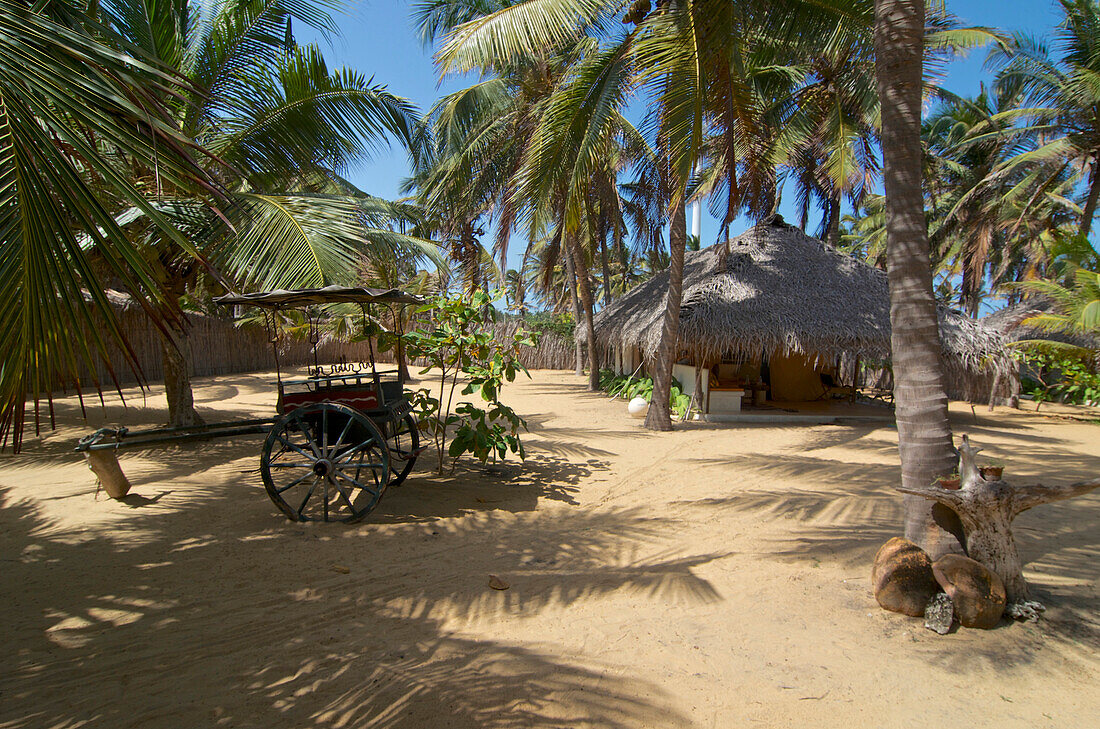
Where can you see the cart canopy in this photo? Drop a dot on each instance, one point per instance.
(290, 299)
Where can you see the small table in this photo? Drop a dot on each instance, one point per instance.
(724, 400)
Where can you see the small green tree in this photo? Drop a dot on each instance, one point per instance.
(1060, 373)
(461, 345)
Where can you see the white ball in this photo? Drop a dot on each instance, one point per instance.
(638, 407)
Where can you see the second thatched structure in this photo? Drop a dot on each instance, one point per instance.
(775, 294)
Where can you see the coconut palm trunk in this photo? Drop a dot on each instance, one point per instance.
(606, 270)
(176, 360)
(584, 291)
(1090, 202)
(924, 432)
(178, 366)
(571, 282)
(659, 416)
(832, 234)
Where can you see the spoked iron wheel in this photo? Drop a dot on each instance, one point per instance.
(325, 462)
(404, 443)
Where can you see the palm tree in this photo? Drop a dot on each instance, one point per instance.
(1064, 92)
(1076, 305)
(679, 54)
(924, 432)
(465, 141)
(287, 127)
(989, 195)
(864, 234)
(833, 152)
(77, 102)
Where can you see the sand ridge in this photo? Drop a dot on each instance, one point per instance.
(715, 576)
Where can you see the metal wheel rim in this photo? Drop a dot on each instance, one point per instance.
(401, 463)
(313, 471)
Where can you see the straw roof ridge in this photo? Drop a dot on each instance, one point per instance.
(780, 291)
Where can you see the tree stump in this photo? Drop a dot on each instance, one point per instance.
(986, 510)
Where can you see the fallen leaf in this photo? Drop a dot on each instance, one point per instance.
(497, 584)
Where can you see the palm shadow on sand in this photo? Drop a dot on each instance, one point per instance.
(843, 511)
(220, 613)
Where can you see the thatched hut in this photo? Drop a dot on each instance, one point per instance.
(782, 305)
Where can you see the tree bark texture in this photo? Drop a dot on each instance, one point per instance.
(571, 281)
(832, 231)
(584, 289)
(924, 433)
(987, 508)
(178, 366)
(1090, 203)
(606, 272)
(659, 416)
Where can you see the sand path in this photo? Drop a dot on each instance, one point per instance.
(715, 576)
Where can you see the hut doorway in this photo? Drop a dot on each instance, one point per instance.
(794, 378)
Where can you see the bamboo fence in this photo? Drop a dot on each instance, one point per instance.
(219, 347)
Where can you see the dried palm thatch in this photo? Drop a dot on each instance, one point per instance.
(780, 291)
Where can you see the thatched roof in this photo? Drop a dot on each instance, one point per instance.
(781, 291)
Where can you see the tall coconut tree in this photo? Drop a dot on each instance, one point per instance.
(1063, 91)
(677, 55)
(983, 182)
(924, 431)
(833, 152)
(286, 127)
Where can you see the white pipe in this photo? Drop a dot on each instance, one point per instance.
(697, 219)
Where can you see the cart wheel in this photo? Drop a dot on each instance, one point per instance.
(404, 443)
(325, 462)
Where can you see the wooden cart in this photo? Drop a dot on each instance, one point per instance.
(341, 435)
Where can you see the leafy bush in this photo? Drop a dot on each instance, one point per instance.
(1080, 382)
(628, 388)
(458, 344)
(1060, 375)
(562, 324)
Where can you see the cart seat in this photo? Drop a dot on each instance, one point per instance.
(360, 396)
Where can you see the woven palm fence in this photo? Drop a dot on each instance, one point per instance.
(219, 347)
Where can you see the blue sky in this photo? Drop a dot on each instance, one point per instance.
(378, 39)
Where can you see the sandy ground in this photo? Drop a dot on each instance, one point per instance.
(715, 576)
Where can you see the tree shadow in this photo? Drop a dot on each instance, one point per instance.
(212, 612)
(843, 512)
(508, 485)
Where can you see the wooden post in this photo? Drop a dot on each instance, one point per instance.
(855, 381)
(109, 475)
(699, 385)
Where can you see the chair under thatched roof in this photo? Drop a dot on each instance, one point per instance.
(780, 291)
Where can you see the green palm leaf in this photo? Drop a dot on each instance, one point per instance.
(301, 241)
(70, 105)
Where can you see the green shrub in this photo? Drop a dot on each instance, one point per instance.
(548, 322)
(628, 387)
(457, 344)
(1060, 375)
